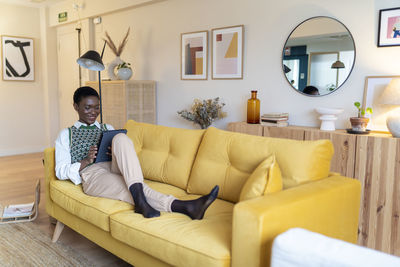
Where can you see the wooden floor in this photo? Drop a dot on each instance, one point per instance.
(18, 176)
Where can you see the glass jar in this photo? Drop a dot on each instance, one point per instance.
(253, 108)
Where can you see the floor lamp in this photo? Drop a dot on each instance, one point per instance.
(93, 61)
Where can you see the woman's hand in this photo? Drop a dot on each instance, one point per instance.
(109, 152)
(89, 158)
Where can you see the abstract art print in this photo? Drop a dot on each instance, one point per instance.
(194, 48)
(227, 52)
(389, 27)
(17, 58)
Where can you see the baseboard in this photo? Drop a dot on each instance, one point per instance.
(20, 151)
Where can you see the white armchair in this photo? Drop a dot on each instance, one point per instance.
(299, 247)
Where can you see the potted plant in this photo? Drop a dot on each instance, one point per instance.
(124, 71)
(360, 122)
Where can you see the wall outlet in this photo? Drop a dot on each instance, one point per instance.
(97, 20)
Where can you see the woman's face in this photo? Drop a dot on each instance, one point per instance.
(88, 109)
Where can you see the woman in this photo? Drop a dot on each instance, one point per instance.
(120, 179)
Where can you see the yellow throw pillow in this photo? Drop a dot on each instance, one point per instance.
(265, 179)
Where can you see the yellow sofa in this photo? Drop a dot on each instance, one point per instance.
(188, 163)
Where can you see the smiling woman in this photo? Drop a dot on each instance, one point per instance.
(88, 108)
(319, 53)
(119, 179)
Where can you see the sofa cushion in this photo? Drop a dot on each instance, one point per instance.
(228, 158)
(95, 210)
(265, 179)
(166, 154)
(178, 240)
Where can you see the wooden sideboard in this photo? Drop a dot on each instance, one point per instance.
(124, 100)
(374, 160)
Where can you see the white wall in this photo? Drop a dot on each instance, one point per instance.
(50, 78)
(29, 116)
(21, 103)
(154, 51)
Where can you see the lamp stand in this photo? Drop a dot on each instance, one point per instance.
(101, 105)
(93, 61)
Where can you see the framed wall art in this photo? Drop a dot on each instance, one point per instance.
(389, 27)
(17, 57)
(194, 53)
(227, 52)
(373, 89)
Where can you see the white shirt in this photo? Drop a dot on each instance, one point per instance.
(64, 169)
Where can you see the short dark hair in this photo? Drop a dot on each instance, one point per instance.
(83, 92)
(311, 90)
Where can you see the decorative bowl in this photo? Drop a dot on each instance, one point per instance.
(329, 111)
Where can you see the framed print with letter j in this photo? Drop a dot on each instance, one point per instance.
(17, 58)
(227, 52)
(194, 48)
(389, 27)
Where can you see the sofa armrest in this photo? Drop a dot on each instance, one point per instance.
(49, 175)
(329, 206)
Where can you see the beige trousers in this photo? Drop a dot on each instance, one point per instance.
(113, 179)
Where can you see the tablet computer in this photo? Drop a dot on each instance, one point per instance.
(105, 143)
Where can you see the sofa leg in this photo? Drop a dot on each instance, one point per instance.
(57, 231)
(52, 220)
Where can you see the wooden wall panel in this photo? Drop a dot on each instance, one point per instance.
(296, 133)
(395, 215)
(345, 149)
(378, 169)
(243, 127)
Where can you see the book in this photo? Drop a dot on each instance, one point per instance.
(18, 210)
(275, 115)
(268, 119)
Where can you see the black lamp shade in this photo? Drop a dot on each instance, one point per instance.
(91, 60)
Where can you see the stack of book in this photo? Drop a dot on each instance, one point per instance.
(275, 119)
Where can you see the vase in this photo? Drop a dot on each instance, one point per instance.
(253, 108)
(111, 67)
(393, 124)
(124, 73)
(359, 123)
(328, 117)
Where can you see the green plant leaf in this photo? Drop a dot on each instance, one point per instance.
(357, 104)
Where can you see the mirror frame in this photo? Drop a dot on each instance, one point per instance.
(283, 54)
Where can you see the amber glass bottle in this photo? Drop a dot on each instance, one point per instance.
(253, 108)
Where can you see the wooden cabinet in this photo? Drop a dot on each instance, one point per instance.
(374, 160)
(124, 100)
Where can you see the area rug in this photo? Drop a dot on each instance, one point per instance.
(23, 244)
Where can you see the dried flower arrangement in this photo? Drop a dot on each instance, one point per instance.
(204, 112)
(113, 47)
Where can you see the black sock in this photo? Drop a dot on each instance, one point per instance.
(141, 205)
(195, 209)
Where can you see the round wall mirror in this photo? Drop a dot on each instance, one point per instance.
(318, 56)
